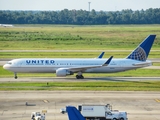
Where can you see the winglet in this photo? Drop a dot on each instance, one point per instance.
(73, 113)
(101, 55)
(142, 51)
(108, 61)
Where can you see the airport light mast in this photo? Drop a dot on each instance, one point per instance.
(89, 5)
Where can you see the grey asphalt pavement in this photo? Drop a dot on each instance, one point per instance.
(138, 105)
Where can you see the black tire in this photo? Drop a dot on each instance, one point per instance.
(81, 77)
(77, 76)
(121, 119)
(114, 119)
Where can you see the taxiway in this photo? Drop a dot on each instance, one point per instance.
(67, 79)
(138, 105)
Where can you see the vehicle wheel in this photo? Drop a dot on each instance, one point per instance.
(63, 112)
(15, 77)
(121, 118)
(81, 77)
(77, 76)
(114, 119)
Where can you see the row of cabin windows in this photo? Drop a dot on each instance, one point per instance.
(75, 64)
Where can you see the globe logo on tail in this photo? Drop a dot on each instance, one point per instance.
(138, 54)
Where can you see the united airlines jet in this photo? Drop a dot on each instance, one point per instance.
(63, 67)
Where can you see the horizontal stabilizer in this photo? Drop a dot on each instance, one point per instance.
(144, 64)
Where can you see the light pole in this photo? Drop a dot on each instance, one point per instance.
(89, 5)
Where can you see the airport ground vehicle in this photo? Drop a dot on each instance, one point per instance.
(37, 116)
(99, 112)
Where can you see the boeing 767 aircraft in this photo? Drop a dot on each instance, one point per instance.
(63, 67)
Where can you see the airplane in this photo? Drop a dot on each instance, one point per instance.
(6, 25)
(73, 113)
(68, 66)
(29, 65)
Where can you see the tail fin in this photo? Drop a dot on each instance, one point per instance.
(101, 55)
(142, 51)
(74, 114)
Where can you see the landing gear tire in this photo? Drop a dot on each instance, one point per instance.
(15, 75)
(79, 77)
(121, 118)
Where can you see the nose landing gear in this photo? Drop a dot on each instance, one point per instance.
(15, 75)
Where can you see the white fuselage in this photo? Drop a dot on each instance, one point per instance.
(50, 65)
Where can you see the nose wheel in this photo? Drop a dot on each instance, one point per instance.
(15, 75)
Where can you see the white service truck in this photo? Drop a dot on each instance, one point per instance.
(37, 116)
(101, 112)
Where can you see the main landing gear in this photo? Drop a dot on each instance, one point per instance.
(79, 75)
(15, 75)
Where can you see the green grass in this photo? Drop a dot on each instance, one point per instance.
(59, 54)
(51, 37)
(156, 64)
(93, 86)
(116, 54)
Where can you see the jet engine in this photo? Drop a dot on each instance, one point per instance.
(62, 72)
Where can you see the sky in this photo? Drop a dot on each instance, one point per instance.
(98, 5)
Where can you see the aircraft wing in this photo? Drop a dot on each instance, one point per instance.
(76, 69)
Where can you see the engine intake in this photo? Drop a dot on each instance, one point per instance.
(63, 72)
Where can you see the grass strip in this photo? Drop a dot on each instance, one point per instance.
(116, 54)
(76, 37)
(85, 86)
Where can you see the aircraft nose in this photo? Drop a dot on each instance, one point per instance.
(5, 66)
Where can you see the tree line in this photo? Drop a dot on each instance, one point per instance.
(81, 17)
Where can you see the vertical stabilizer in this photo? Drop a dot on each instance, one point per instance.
(142, 51)
(101, 55)
(73, 113)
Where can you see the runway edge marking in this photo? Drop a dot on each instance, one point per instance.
(45, 101)
(157, 100)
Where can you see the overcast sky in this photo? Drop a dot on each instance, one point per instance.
(105, 5)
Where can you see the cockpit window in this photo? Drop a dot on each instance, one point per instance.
(9, 63)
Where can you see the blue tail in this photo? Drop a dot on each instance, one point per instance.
(73, 113)
(101, 55)
(142, 51)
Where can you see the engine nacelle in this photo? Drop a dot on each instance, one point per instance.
(63, 72)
